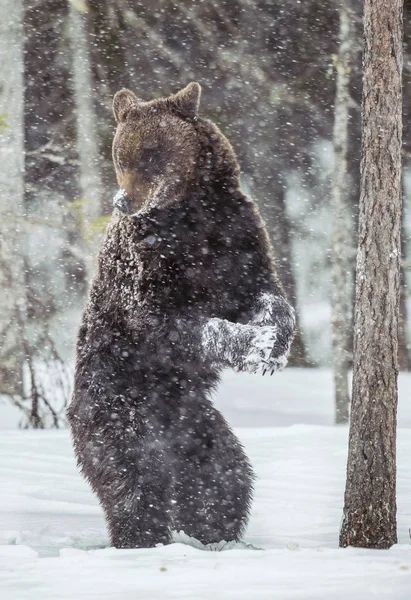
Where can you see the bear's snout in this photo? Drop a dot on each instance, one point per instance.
(122, 201)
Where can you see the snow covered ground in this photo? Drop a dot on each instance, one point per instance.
(53, 543)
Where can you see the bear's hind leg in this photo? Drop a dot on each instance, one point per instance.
(138, 512)
(213, 480)
(128, 472)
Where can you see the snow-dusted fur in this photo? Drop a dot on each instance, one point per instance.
(185, 286)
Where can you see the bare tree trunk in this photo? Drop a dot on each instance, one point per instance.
(274, 212)
(12, 285)
(343, 225)
(404, 355)
(87, 139)
(370, 495)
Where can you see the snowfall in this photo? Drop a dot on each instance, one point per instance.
(54, 544)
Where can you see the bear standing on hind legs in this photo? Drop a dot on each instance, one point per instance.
(185, 286)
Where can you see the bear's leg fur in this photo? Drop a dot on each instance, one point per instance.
(213, 477)
(137, 503)
(125, 465)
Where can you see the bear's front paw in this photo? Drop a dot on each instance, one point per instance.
(261, 356)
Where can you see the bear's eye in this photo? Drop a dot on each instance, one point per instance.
(120, 167)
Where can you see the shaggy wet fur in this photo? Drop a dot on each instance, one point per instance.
(183, 288)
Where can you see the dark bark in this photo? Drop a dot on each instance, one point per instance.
(370, 495)
(49, 116)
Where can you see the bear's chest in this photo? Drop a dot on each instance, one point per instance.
(169, 268)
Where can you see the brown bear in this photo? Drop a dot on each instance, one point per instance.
(185, 286)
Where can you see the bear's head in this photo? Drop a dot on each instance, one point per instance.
(155, 148)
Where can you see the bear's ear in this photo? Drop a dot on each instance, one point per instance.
(187, 100)
(123, 102)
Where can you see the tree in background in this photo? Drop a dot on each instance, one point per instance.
(404, 343)
(370, 494)
(86, 132)
(52, 178)
(343, 223)
(12, 210)
(25, 337)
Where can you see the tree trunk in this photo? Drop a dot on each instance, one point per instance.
(12, 284)
(87, 139)
(273, 209)
(342, 238)
(113, 66)
(404, 355)
(370, 496)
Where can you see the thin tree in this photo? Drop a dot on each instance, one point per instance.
(342, 236)
(370, 496)
(87, 138)
(404, 347)
(12, 287)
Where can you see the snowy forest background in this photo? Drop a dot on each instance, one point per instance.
(268, 73)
